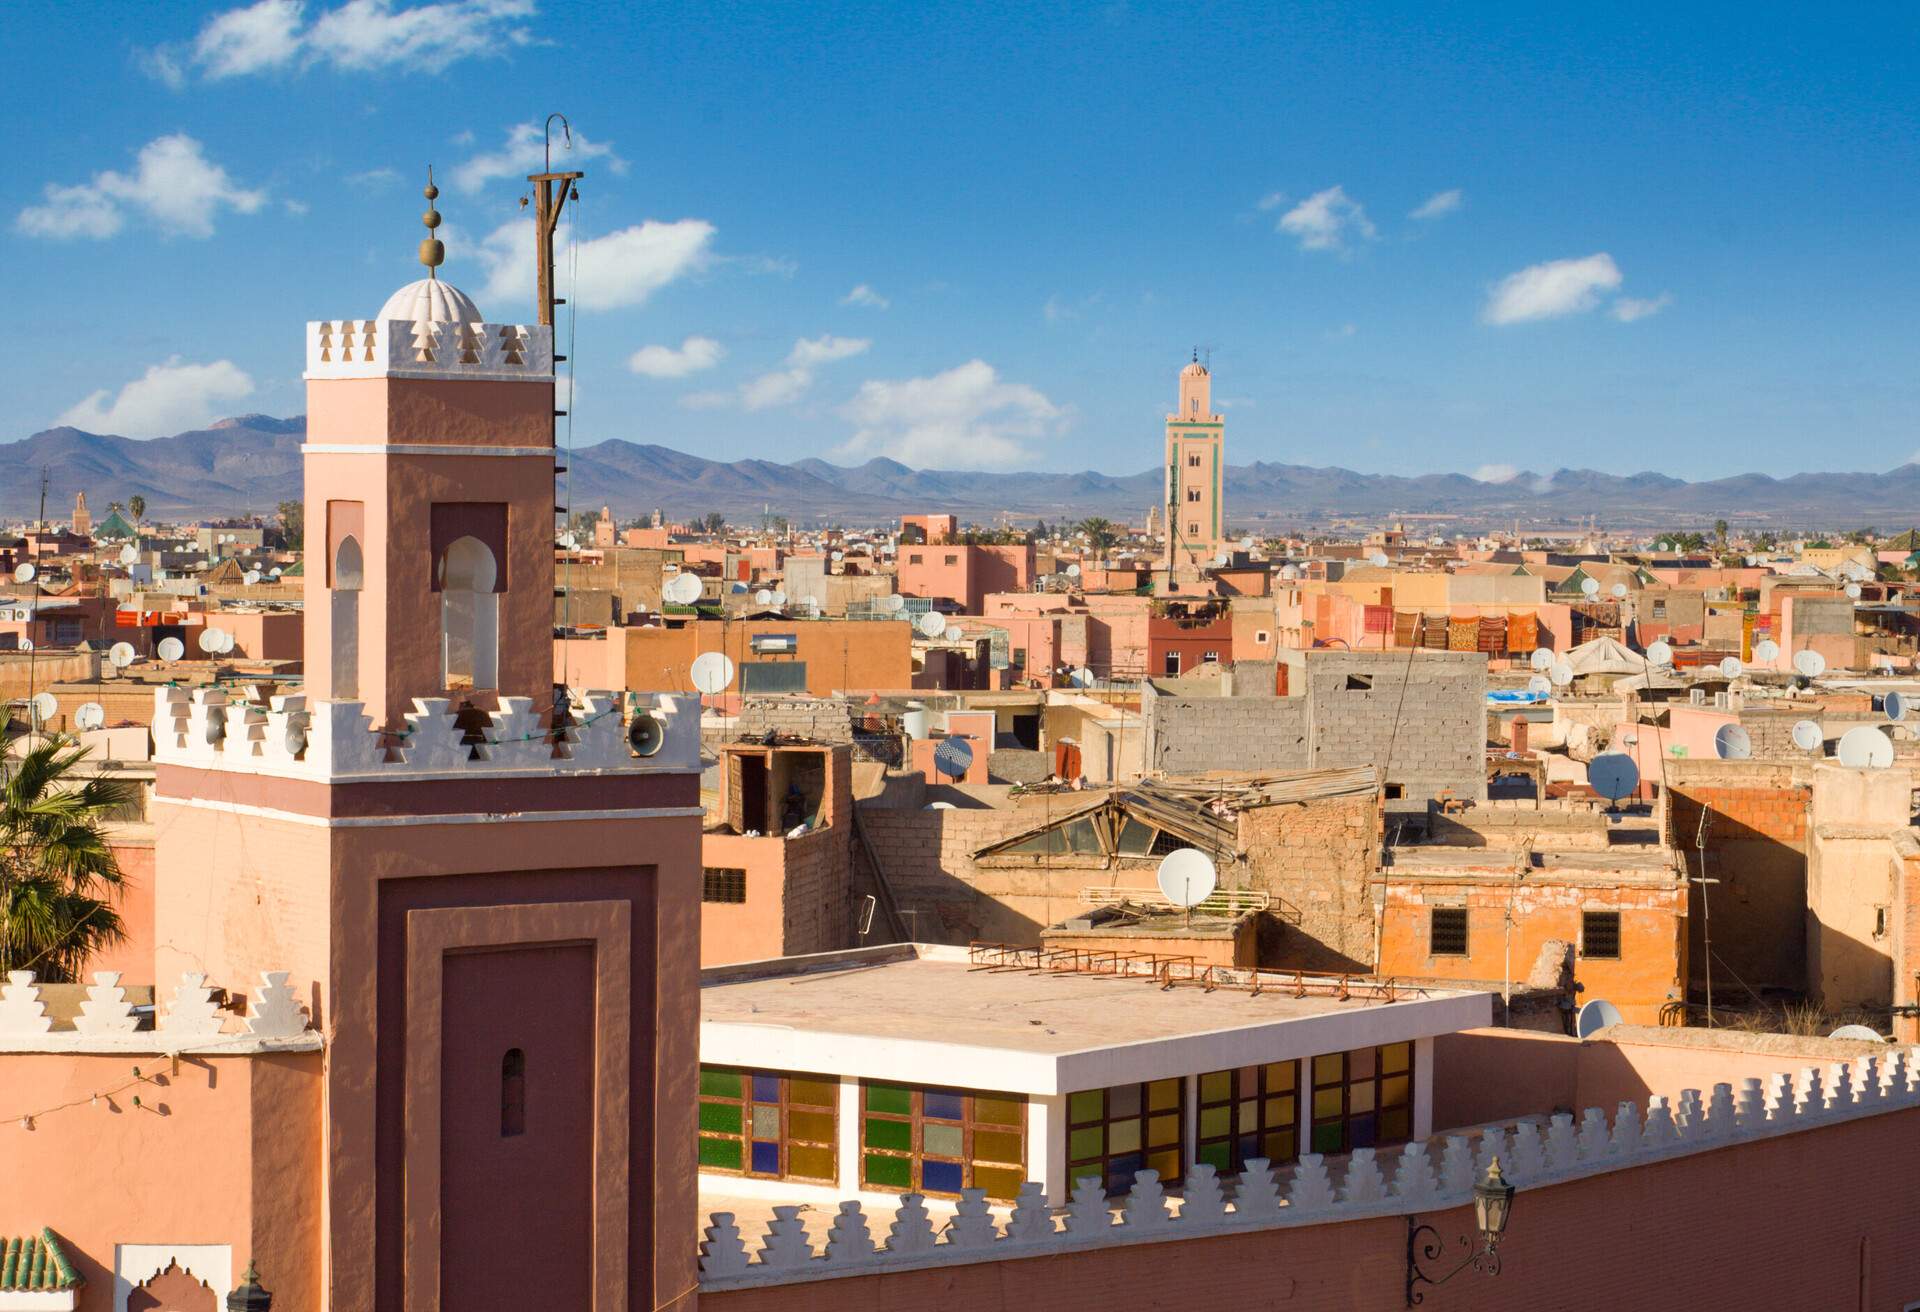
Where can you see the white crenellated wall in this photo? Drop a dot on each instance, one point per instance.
(390, 348)
(186, 1019)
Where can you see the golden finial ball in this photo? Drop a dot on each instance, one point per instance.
(432, 192)
(432, 252)
(431, 218)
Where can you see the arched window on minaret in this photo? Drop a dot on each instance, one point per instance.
(469, 615)
(349, 574)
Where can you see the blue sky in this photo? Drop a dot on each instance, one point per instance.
(1668, 237)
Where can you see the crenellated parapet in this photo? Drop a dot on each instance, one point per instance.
(335, 741)
(1369, 1183)
(396, 348)
(187, 1020)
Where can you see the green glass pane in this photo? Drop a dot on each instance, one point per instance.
(999, 1182)
(1327, 1138)
(888, 1172)
(813, 1093)
(890, 1098)
(1216, 1122)
(723, 1154)
(989, 1146)
(715, 1083)
(810, 1127)
(942, 1140)
(1084, 1107)
(720, 1117)
(999, 1111)
(897, 1135)
(812, 1164)
(1085, 1145)
(1216, 1086)
(1217, 1155)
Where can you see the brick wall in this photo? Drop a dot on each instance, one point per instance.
(1315, 859)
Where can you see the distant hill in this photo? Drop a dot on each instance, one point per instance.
(252, 462)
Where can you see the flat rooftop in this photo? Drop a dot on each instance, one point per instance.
(923, 1013)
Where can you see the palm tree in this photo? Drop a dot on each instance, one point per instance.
(1099, 534)
(137, 507)
(57, 873)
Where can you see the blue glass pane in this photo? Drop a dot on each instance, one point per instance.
(766, 1088)
(943, 1103)
(1360, 1131)
(766, 1158)
(1249, 1146)
(1121, 1170)
(941, 1177)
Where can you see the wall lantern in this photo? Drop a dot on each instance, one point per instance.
(1492, 1204)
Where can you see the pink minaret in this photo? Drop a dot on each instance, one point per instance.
(1196, 474)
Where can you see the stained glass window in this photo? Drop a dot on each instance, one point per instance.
(782, 1127)
(1363, 1098)
(1252, 1111)
(1113, 1133)
(940, 1141)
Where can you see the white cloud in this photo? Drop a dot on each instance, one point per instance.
(781, 387)
(1439, 204)
(373, 179)
(1495, 474)
(1343, 331)
(1326, 220)
(620, 269)
(1552, 289)
(357, 36)
(169, 398)
(1629, 308)
(690, 357)
(525, 151)
(707, 400)
(964, 418)
(867, 296)
(173, 184)
(810, 353)
(787, 384)
(1273, 200)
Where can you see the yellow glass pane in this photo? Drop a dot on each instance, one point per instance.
(1163, 1130)
(1360, 1097)
(813, 1093)
(812, 1127)
(1216, 1122)
(1395, 1057)
(999, 1111)
(999, 1182)
(992, 1146)
(1124, 1136)
(1330, 1068)
(1163, 1095)
(1167, 1163)
(1326, 1105)
(1280, 1110)
(812, 1163)
(1280, 1145)
(1249, 1119)
(1393, 1090)
(1216, 1086)
(1281, 1076)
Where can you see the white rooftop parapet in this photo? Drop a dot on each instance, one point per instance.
(395, 348)
(185, 1019)
(1723, 1118)
(331, 741)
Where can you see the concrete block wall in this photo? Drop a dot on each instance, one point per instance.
(1423, 719)
(1229, 733)
(823, 719)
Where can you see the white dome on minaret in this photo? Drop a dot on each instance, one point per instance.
(431, 301)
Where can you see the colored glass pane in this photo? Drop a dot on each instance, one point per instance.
(1125, 1135)
(1360, 1064)
(1163, 1130)
(1084, 1145)
(766, 1088)
(720, 1117)
(1121, 1170)
(718, 1083)
(897, 1135)
(943, 1103)
(766, 1121)
(766, 1158)
(1084, 1107)
(1215, 1122)
(814, 1127)
(812, 1163)
(999, 1111)
(1395, 1057)
(1360, 1097)
(1329, 1068)
(1166, 1162)
(1280, 1145)
(1280, 1110)
(1216, 1086)
(1327, 1138)
(1249, 1118)
(942, 1177)
(888, 1172)
(1163, 1095)
(889, 1098)
(1395, 1125)
(721, 1153)
(1280, 1076)
(1123, 1100)
(998, 1181)
(991, 1147)
(1217, 1155)
(1249, 1081)
(1360, 1131)
(942, 1140)
(813, 1093)
(1326, 1105)
(1394, 1090)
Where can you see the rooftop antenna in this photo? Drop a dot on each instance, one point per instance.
(547, 207)
(45, 476)
(1706, 913)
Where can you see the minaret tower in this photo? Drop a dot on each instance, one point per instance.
(1196, 474)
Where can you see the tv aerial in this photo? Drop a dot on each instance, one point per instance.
(1895, 706)
(711, 672)
(1561, 672)
(1589, 587)
(44, 706)
(1378, 560)
(1539, 685)
(1865, 748)
(1863, 1033)
(1732, 667)
(953, 633)
(1186, 878)
(129, 554)
(893, 602)
(121, 655)
(214, 641)
(764, 597)
(683, 589)
(1620, 591)
(1073, 571)
(24, 572)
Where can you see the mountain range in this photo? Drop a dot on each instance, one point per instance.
(251, 463)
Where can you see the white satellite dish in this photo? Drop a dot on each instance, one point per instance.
(939, 806)
(90, 715)
(172, 649)
(1620, 590)
(570, 542)
(1732, 743)
(212, 641)
(121, 654)
(1865, 748)
(933, 624)
(26, 644)
(1589, 587)
(763, 598)
(1561, 673)
(1809, 663)
(1732, 667)
(1808, 736)
(1594, 1017)
(779, 599)
(1542, 659)
(1539, 685)
(1073, 571)
(1895, 706)
(1853, 590)
(811, 602)
(1186, 877)
(893, 602)
(839, 555)
(1246, 543)
(1378, 559)
(1766, 651)
(1613, 776)
(129, 554)
(1864, 1033)
(275, 572)
(711, 672)
(45, 705)
(1660, 653)
(24, 572)
(1081, 677)
(1221, 558)
(953, 633)
(683, 589)
(1289, 571)
(251, 577)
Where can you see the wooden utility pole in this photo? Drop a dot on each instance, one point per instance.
(548, 202)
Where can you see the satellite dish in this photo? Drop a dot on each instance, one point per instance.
(252, 577)
(275, 573)
(1732, 667)
(129, 554)
(939, 806)
(1589, 587)
(811, 602)
(683, 589)
(645, 734)
(1895, 705)
(933, 624)
(1539, 685)
(45, 705)
(953, 634)
(26, 644)
(1853, 590)
(1660, 653)
(839, 555)
(1732, 743)
(1186, 877)
(1246, 543)
(953, 758)
(1619, 589)
(90, 715)
(893, 602)
(1542, 659)
(570, 542)
(1378, 559)
(1613, 776)
(1221, 558)
(1594, 1017)
(1073, 571)
(779, 598)
(711, 672)
(1865, 748)
(24, 572)
(121, 654)
(1561, 673)
(212, 641)
(1808, 736)
(1766, 651)
(1864, 1033)
(1082, 677)
(737, 588)
(1289, 571)
(763, 598)
(172, 649)
(1809, 663)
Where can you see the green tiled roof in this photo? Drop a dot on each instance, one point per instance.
(35, 1265)
(113, 526)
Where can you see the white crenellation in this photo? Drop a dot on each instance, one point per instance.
(1635, 1136)
(191, 1010)
(276, 1012)
(399, 348)
(21, 1011)
(1813, 1095)
(1842, 1085)
(106, 1010)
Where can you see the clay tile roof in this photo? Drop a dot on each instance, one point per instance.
(35, 1264)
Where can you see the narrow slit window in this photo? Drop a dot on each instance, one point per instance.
(513, 1093)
